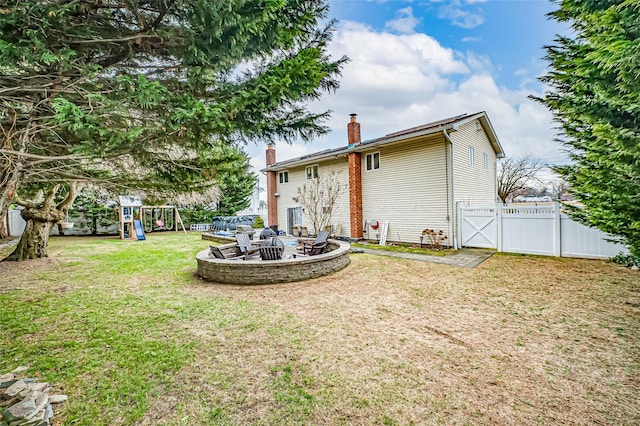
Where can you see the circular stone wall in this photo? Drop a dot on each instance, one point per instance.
(257, 271)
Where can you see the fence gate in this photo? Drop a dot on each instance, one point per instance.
(532, 229)
(478, 227)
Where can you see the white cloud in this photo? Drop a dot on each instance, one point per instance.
(366, 47)
(478, 62)
(396, 81)
(404, 22)
(459, 16)
(471, 39)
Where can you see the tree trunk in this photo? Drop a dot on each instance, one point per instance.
(11, 171)
(7, 194)
(3, 229)
(41, 214)
(34, 240)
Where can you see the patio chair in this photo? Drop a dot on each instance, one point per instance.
(271, 249)
(244, 244)
(314, 249)
(218, 254)
(329, 229)
(304, 232)
(322, 237)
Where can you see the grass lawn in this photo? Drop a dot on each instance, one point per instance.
(134, 337)
(405, 249)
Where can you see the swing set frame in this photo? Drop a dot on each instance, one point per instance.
(128, 212)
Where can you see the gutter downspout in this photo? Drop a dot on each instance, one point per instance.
(453, 211)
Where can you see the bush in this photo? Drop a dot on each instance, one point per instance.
(195, 215)
(435, 238)
(258, 223)
(627, 260)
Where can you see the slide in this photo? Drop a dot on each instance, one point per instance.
(139, 231)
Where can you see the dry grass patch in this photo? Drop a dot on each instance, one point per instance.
(517, 340)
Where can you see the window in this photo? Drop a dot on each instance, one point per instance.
(312, 172)
(283, 177)
(372, 161)
(472, 159)
(485, 161)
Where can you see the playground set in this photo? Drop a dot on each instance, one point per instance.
(136, 219)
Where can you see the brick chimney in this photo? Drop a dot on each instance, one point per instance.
(272, 188)
(353, 130)
(355, 179)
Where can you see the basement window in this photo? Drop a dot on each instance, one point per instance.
(372, 161)
(312, 172)
(283, 177)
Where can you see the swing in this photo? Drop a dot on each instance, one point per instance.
(159, 222)
(147, 219)
(169, 220)
(66, 222)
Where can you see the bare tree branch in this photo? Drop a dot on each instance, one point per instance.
(319, 199)
(516, 174)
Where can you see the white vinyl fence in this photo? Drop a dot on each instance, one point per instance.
(14, 223)
(541, 229)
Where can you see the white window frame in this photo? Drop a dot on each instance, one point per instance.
(485, 161)
(472, 155)
(283, 177)
(370, 161)
(309, 171)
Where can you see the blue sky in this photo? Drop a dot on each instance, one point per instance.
(510, 33)
(413, 62)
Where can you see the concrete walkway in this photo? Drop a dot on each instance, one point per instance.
(464, 258)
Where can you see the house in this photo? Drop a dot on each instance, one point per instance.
(412, 179)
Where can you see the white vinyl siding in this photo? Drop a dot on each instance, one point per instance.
(473, 185)
(298, 177)
(411, 194)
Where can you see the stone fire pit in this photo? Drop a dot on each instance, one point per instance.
(258, 271)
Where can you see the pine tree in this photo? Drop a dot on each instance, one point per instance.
(595, 97)
(132, 94)
(235, 180)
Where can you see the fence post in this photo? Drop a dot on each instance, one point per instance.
(499, 226)
(460, 224)
(556, 232)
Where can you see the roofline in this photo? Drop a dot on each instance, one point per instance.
(419, 131)
(488, 129)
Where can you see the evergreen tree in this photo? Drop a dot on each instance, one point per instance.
(132, 94)
(595, 97)
(235, 180)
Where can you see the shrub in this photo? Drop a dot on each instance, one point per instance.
(627, 260)
(258, 223)
(196, 215)
(434, 238)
